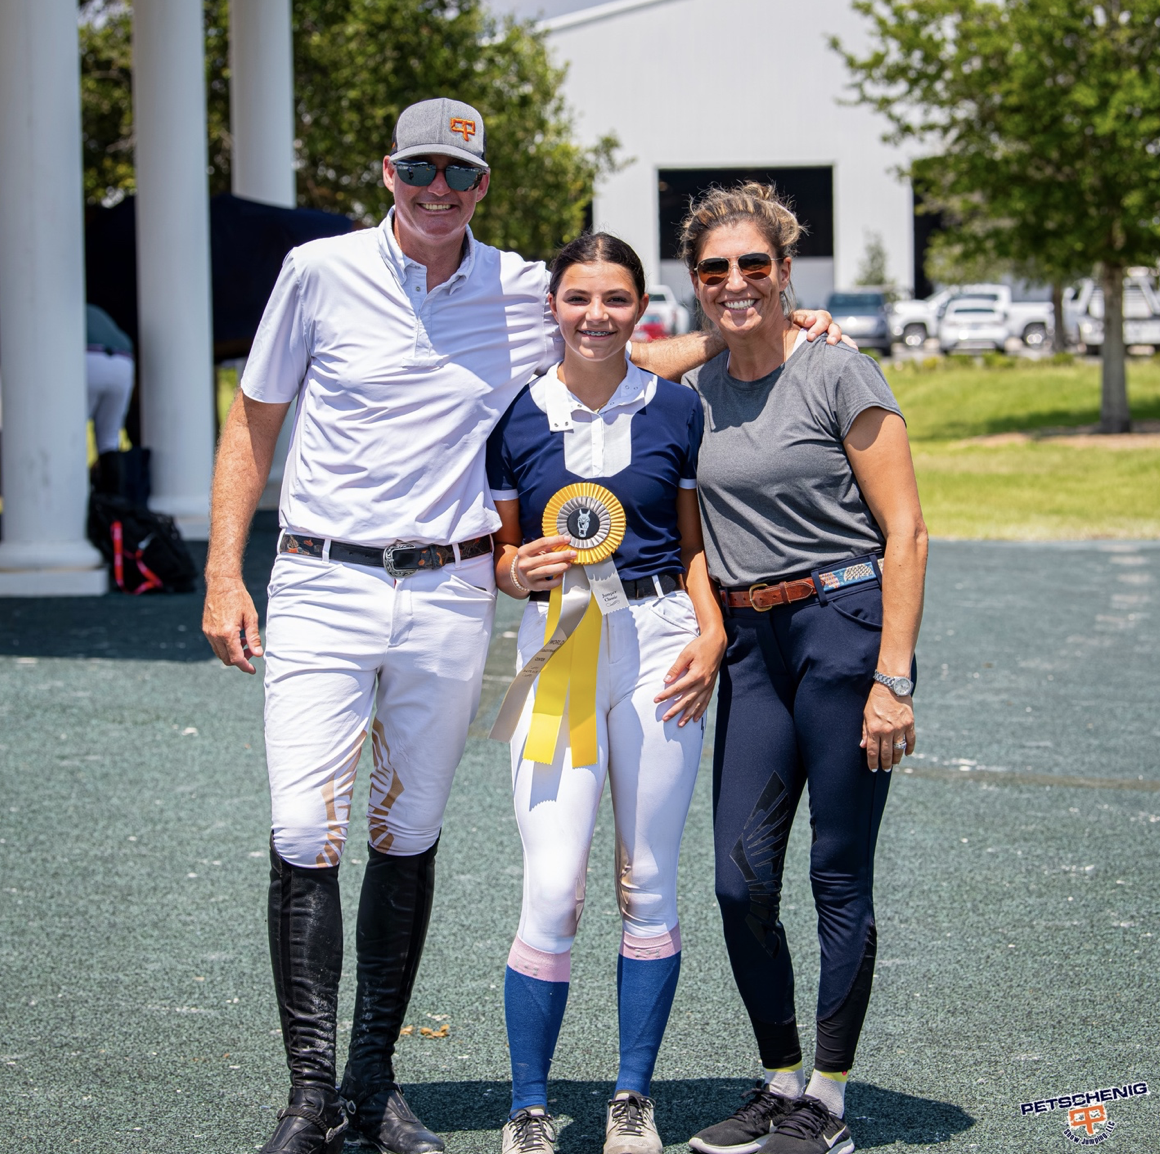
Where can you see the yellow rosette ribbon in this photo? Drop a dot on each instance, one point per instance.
(593, 520)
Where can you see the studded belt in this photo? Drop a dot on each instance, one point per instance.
(401, 560)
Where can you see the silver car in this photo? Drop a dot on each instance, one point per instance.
(862, 315)
(972, 323)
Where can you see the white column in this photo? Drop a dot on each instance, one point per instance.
(42, 296)
(262, 127)
(175, 351)
(262, 101)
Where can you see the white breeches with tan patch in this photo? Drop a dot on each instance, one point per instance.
(651, 765)
(343, 643)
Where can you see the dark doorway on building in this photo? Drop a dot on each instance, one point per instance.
(810, 191)
(926, 224)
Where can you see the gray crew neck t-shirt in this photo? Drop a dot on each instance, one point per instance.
(778, 496)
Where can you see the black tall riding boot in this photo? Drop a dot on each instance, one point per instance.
(305, 924)
(107, 474)
(393, 912)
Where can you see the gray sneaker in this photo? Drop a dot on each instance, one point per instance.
(528, 1133)
(630, 1128)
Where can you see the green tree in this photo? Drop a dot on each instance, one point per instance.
(357, 64)
(107, 113)
(1043, 117)
(951, 262)
(873, 270)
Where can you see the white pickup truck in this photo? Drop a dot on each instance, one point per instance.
(912, 322)
(1084, 313)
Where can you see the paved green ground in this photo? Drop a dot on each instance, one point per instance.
(1017, 890)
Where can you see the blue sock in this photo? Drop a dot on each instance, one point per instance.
(533, 1009)
(646, 980)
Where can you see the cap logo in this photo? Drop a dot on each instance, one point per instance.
(466, 128)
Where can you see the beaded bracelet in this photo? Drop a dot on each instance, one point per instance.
(515, 579)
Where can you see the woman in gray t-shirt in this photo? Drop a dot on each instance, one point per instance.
(814, 534)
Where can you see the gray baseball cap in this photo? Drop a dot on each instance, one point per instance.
(440, 127)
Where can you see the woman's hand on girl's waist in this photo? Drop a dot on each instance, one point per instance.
(693, 676)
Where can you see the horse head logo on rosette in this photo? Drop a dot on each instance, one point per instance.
(593, 520)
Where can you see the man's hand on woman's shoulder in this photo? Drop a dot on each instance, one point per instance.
(818, 321)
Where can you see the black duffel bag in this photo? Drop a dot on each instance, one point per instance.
(144, 550)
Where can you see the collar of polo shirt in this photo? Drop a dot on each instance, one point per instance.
(399, 262)
(636, 390)
(596, 444)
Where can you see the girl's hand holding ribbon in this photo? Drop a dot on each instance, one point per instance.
(540, 563)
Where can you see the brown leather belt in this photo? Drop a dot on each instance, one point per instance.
(764, 597)
(401, 560)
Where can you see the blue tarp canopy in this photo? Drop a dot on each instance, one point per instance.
(248, 242)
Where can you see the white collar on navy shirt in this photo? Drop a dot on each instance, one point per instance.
(635, 391)
(401, 264)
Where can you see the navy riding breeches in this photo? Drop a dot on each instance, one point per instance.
(794, 683)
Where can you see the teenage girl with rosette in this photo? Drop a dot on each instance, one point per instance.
(815, 538)
(598, 419)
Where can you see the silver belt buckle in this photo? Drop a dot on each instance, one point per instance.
(398, 571)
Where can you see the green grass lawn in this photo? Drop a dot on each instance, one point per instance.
(1028, 491)
(1033, 490)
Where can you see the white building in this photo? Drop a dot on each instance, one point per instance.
(701, 92)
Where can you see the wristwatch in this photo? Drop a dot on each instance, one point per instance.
(899, 686)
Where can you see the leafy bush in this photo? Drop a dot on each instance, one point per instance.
(998, 360)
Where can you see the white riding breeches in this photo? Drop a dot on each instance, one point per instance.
(651, 764)
(344, 642)
(109, 381)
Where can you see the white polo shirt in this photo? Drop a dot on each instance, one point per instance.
(397, 387)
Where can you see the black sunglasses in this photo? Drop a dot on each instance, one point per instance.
(420, 173)
(714, 270)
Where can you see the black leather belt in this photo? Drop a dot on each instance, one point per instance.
(400, 560)
(634, 589)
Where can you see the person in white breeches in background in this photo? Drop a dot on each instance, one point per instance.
(109, 375)
(597, 418)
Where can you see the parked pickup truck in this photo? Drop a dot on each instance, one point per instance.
(1028, 321)
(913, 321)
(1084, 313)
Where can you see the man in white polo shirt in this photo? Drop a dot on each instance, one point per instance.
(403, 346)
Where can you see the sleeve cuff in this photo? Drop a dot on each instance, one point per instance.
(873, 403)
(505, 494)
(687, 483)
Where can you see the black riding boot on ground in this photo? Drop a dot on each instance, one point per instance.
(393, 913)
(107, 474)
(305, 923)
